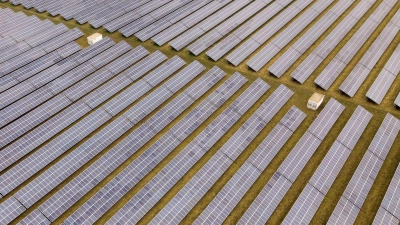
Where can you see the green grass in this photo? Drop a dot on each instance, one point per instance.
(299, 99)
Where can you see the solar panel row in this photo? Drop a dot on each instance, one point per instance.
(357, 190)
(10, 209)
(180, 164)
(385, 79)
(36, 217)
(268, 199)
(389, 211)
(397, 101)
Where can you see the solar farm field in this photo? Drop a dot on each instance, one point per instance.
(195, 112)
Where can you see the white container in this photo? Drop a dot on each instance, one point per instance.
(96, 37)
(315, 101)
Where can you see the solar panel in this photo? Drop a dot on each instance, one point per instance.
(121, 81)
(191, 193)
(324, 122)
(68, 79)
(232, 85)
(384, 217)
(306, 205)
(93, 50)
(271, 194)
(184, 76)
(61, 40)
(391, 200)
(253, 92)
(354, 128)
(110, 54)
(33, 139)
(9, 210)
(87, 84)
(47, 35)
(23, 124)
(13, 51)
(368, 61)
(169, 19)
(266, 109)
(385, 136)
(381, 86)
(152, 61)
(35, 217)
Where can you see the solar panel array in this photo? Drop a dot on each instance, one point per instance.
(240, 28)
(72, 117)
(326, 78)
(313, 194)
(260, 37)
(202, 181)
(270, 196)
(360, 72)
(281, 65)
(221, 206)
(350, 203)
(271, 49)
(90, 148)
(87, 212)
(389, 211)
(237, 36)
(320, 53)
